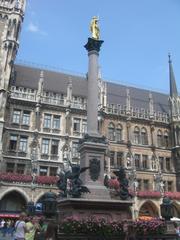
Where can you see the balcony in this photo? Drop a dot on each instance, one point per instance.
(23, 93)
(27, 179)
(138, 113)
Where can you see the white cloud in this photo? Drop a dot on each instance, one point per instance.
(33, 28)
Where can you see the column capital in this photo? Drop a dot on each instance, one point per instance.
(93, 45)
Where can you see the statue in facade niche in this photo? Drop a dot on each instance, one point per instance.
(123, 183)
(94, 28)
(70, 184)
(2, 102)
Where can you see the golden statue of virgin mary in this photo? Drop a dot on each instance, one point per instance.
(94, 28)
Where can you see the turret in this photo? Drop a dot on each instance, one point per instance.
(11, 18)
(174, 103)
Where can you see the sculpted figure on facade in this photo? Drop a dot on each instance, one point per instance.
(94, 28)
(2, 103)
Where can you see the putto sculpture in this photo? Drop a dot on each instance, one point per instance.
(123, 183)
(69, 182)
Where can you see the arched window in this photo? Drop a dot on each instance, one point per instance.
(144, 137)
(159, 138)
(166, 139)
(136, 135)
(111, 132)
(119, 133)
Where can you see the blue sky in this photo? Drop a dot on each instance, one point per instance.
(137, 34)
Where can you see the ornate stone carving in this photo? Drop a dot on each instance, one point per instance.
(88, 138)
(94, 168)
(93, 44)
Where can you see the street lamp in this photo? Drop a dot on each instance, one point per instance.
(49, 204)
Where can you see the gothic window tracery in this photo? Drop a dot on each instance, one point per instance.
(111, 132)
(144, 137)
(119, 133)
(136, 135)
(159, 138)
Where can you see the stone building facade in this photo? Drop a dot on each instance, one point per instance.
(43, 116)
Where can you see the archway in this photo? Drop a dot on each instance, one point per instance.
(148, 209)
(13, 202)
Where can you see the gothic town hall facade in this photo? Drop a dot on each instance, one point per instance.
(43, 117)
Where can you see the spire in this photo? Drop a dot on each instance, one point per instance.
(172, 81)
(151, 105)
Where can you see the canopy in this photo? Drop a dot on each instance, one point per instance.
(8, 215)
(175, 219)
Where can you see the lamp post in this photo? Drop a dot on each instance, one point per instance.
(49, 205)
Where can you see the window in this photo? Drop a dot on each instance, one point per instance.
(10, 167)
(145, 161)
(136, 135)
(146, 184)
(13, 142)
(43, 171)
(56, 122)
(161, 162)
(166, 139)
(111, 132)
(137, 160)
(169, 186)
(84, 126)
(144, 138)
(47, 121)
(159, 138)
(76, 125)
(45, 146)
(16, 116)
(53, 171)
(139, 184)
(168, 164)
(54, 147)
(23, 144)
(119, 133)
(26, 118)
(119, 159)
(75, 146)
(20, 168)
(112, 159)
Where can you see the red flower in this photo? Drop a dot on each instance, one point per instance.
(113, 183)
(147, 194)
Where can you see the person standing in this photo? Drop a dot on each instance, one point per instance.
(51, 232)
(30, 229)
(20, 228)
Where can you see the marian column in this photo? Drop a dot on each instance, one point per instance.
(93, 146)
(93, 47)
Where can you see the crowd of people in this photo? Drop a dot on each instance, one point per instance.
(28, 228)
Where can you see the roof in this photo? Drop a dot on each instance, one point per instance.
(139, 97)
(53, 81)
(57, 82)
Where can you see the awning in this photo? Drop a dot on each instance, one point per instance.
(9, 215)
(175, 219)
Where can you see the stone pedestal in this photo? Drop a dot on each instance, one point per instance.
(108, 209)
(92, 155)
